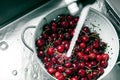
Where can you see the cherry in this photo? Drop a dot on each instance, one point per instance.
(69, 18)
(68, 64)
(64, 24)
(54, 28)
(89, 76)
(86, 29)
(54, 36)
(80, 55)
(60, 48)
(48, 64)
(57, 74)
(45, 59)
(74, 78)
(81, 65)
(57, 42)
(44, 36)
(51, 70)
(84, 78)
(39, 42)
(75, 66)
(104, 64)
(40, 54)
(95, 74)
(68, 71)
(53, 23)
(67, 46)
(79, 40)
(85, 57)
(60, 36)
(88, 49)
(95, 45)
(60, 68)
(50, 51)
(101, 70)
(82, 45)
(85, 38)
(104, 57)
(76, 19)
(53, 60)
(72, 23)
(92, 56)
(67, 36)
(82, 72)
(98, 57)
(93, 63)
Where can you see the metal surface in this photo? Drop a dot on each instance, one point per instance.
(19, 63)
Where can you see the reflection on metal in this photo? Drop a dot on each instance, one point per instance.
(3, 45)
(17, 55)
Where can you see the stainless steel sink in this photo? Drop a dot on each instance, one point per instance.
(19, 63)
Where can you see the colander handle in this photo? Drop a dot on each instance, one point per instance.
(23, 39)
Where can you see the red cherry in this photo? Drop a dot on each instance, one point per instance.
(50, 51)
(80, 55)
(60, 36)
(85, 38)
(48, 64)
(57, 74)
(67, 45)
(89, 76)
(92, 56)
(67, 36)
(53, 23)
(68, 64)
(104, 57)
(68, 71)
(82, 72)
(101, 70)
(40, 54)
(51, 70)
(88, 49)
(98, 57)
(76, 19)
(82, 45)
(64, 24)
(104, 64)
(95, 45)
(86, 29)
(75, 66)
(84, 78)
(54, 36)
(54, 28)
(95, 74)
(72, 23)
(39, 42)
(45, 59)
(44, 36)
(85, 57)
(60, 48)
(93, 63)
(81, 65)
(53, 60)
(57, 42)
(74, 78)
(60, 68)
(69, 17)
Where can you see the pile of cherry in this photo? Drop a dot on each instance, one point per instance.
(88, 58)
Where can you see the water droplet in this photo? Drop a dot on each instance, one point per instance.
(26, 69)
(35, 75)
(14, 72)
(3, 45)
